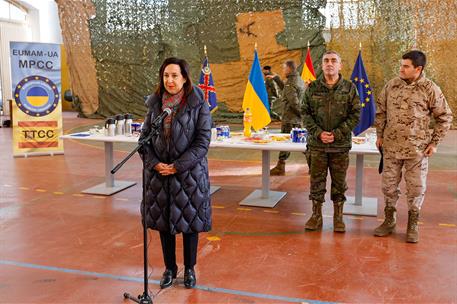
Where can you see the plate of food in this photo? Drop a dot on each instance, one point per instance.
(280, 137)
(358, 140)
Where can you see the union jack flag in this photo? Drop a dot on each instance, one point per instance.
(206, 83)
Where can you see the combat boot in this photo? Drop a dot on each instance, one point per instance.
(315, 221)
(388, 226)
(338, 224)
(280, 169)
(412, 232)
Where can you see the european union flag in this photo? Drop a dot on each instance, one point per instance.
(368, 112)
(206, 83)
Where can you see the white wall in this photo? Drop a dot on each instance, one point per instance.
(45, 20)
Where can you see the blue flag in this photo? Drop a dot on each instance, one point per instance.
(256, 97)
(368, 112)
(206, 83)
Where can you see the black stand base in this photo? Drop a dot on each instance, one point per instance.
(143, 299)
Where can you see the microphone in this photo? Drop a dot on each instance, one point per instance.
(159, 118)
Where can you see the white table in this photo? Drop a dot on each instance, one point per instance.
(110, 186)
(357, 205)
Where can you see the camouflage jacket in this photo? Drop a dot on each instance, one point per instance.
(292, 96)
(333, 109)
(403, 113)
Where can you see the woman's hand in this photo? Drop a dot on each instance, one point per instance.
(160, 167)
(165, 169)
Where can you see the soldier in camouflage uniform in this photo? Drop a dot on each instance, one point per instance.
(403, 113)
(291, 116)
(274, 86)
(331, 109)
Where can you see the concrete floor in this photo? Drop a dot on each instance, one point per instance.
(60, 246)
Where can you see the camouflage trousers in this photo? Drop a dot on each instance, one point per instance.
(415, 171)
(323, 162)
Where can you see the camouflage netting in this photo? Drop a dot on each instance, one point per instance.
(389, 28)
(74, 16)
(131, 38)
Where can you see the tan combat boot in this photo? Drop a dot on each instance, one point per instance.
(412, 232)
(388, 226)
(280, 169)
(338, 224)
(315, 221)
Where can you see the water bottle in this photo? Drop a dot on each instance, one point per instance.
(120, 120)
(247, 122)
(110, 127)
(128, 124)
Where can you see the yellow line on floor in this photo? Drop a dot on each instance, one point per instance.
(23, 188)
(121, 199)
(78, 194)
(5, 185)
(243, 209)
(41, 190)
(97, 196)
(447, 225)
(58, 193)
(213, 238)
(218, 207)
(270, 211)
(298, 213)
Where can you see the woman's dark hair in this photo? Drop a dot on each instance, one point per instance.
(185, 72)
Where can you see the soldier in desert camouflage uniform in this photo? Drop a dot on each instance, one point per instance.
(292, 95)
(403, 113)
(331, 109)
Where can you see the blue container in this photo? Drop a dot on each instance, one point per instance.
(219, 132)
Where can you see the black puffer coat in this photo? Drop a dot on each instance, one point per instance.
(180, 202)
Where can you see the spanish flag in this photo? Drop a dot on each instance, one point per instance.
(255, 96)
(308, 75)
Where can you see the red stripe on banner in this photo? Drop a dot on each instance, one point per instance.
(38, 144)
(26, 124)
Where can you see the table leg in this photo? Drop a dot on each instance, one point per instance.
(264, 197)
(110, 186)
(354, 205)
(265, 173)
(109, 178)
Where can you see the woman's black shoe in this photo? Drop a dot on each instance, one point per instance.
(167, 278)
(189, 278)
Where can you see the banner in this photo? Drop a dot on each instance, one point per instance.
(37, 107)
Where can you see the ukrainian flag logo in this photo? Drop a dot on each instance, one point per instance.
(36, 96)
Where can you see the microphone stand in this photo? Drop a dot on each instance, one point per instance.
(144, 298)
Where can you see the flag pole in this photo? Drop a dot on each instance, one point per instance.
(204, 49)
(308, 44)
(255, 46)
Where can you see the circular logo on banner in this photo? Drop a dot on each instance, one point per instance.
(36, 95)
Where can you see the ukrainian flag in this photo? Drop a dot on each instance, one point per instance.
(255, 96)
(37, 96)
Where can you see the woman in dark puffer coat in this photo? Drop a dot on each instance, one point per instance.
(176, 168)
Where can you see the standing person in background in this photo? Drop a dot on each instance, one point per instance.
(274, 86)
(331, 110)
(403, 112)
(176, 168)
(292, 95)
